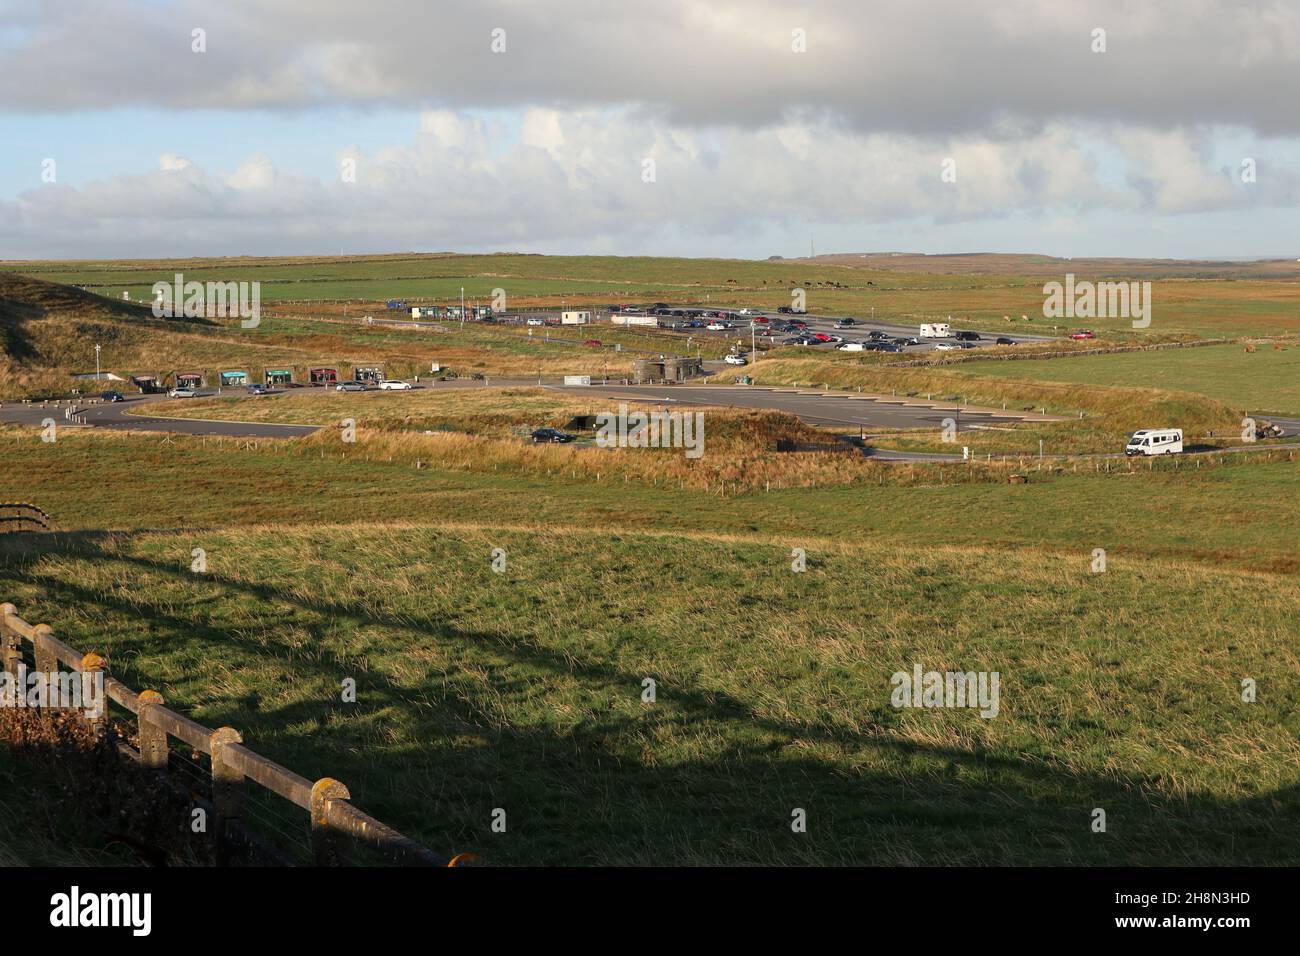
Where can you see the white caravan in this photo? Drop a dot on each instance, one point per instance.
(937, 330)
(1155, 441)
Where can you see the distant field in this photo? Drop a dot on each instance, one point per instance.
(1259, 382)
(1233, 302)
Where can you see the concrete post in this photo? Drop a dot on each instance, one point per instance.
(227, 787)
(153, 739)
(324, 842)
(11, 648)
(46, 661)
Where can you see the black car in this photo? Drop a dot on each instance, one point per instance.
(845, 323)
(113, 397)
(877, 336)
(545, 436)
(1003, 340)
(784, 309)
(966, 336)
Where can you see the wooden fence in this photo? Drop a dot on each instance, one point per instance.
(19, 516)
(331, 819)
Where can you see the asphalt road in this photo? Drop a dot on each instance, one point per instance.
(116, 416)
(865, 412)
(818, 408)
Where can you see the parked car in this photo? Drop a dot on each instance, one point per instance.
(735, 358)
(113, 397)
(877, 336)
(912, 340)
(350, 387)
(536, 321)
(1003, 340)
(551, 436)
(393, 385)
(798, 324)
(182, 393)
(593, 343)
(256, 389)
(966, 336)
(1083, 334)
(718, 326)
(760, 319)
(845, 323)
(850, 347)
(946, 347)
(784, 309)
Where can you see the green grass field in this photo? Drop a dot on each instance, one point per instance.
(1258, 382)
(522, 690)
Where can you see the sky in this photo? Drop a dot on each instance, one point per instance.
(730, 128)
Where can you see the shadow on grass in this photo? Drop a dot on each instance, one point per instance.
(435, 759)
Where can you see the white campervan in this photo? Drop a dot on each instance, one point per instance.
(1155, 441)
(936, 330)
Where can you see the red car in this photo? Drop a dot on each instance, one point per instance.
(760, 320)
(1082, 334)
(594, 343)
(821, 337)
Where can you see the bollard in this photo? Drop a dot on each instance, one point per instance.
(153, 739)
(227, 787)
(324, 841)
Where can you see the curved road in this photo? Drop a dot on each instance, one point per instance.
(816, 408)
(117, 415)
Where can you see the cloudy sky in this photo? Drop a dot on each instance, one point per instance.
(741, 128)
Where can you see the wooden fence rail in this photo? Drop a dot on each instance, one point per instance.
(330, 815)
(19, 516)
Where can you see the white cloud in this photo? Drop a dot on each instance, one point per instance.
(573, 178)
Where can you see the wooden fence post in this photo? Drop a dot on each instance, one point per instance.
(97, 666)
(324, 844)
(153, 739)
(227, 787)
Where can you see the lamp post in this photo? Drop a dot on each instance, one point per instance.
(97, 363)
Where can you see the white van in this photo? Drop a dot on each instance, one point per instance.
(936, 330)
(1155, 441)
